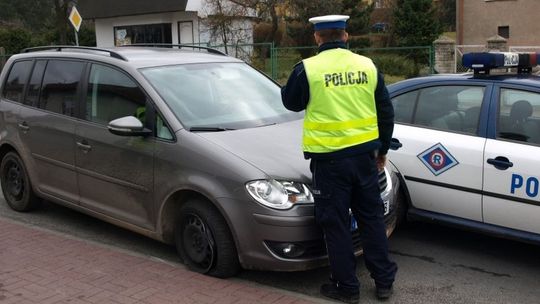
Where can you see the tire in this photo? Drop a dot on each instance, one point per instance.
(204, 241)
(16, 185)
(401, 209)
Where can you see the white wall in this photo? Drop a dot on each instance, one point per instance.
(195, 10)
(105, 27)
(194, 5)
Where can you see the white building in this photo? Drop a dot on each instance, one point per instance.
(119, 22)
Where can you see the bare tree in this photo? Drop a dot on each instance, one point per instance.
(61, 9)
(226, 21)
(266, 10)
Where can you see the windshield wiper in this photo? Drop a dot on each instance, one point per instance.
(209, 129)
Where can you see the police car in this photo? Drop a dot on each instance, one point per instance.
(468, 146)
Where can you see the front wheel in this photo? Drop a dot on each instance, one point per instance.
(204, 241)
(16, 184)
(401, 208)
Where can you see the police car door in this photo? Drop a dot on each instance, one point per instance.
(512, 164)
(441, 157)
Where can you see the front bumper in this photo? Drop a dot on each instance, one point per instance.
(290, 240)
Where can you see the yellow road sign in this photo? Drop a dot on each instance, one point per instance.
(75, 18)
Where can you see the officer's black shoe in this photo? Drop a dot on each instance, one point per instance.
(384, 292)
(334, 292)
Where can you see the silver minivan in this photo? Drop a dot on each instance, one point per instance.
(189, 147)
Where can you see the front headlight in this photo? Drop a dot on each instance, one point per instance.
(279, 194)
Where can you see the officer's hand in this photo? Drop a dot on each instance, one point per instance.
(381, 162)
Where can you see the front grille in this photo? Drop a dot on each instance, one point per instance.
(383, 183)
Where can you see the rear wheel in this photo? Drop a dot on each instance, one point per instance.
(204, 241)
(16, 184)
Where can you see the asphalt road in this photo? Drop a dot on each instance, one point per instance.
(436, 264)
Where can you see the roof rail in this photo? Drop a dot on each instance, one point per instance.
(209, 49)
(59, 48)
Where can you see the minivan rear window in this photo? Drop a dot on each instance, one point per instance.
(18, 75)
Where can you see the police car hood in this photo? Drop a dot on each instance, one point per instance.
(275, 149)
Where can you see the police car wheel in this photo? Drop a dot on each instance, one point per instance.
(16, 185)
(401, 209)
(204, 242)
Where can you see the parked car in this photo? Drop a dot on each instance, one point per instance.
(187, 146)
(379, 27)
(470, 146)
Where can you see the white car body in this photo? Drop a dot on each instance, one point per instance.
(449, 175)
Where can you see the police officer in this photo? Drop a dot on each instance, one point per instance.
(348, 125)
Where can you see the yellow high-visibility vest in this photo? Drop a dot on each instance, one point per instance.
(341, 111)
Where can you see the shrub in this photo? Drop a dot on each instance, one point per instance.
(393, 64)
(359, 42)
(15, 39)
(262, 33)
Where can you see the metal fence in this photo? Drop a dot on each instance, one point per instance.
(462, 49)
(524, 49)
(396, 63)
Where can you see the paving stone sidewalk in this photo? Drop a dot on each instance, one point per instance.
(40, 266)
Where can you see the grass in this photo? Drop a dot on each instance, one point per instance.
(451, 35)
(388, 79)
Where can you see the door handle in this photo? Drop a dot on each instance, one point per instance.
(84, 146)
(24, 126)
(395, 144)
(500, 162)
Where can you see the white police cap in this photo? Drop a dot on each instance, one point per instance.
(329, 22)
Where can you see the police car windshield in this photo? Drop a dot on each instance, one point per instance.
(228, 95)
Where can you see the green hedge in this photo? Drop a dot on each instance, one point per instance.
(14, 40)
(392, 64)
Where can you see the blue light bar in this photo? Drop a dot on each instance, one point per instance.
(485, 61)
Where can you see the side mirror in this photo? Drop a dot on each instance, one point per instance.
(128, 126)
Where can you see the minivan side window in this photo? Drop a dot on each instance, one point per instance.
(162, 131)
(112, 94)
(34, 85)
(59, 92)
(18, 75)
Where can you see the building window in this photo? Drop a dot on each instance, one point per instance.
(145, 33)
(504, 31)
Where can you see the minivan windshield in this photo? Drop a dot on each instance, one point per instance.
(219, 96)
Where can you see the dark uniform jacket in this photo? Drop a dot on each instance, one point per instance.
(295, 97)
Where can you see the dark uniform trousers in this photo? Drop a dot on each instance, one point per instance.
(340, 184)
